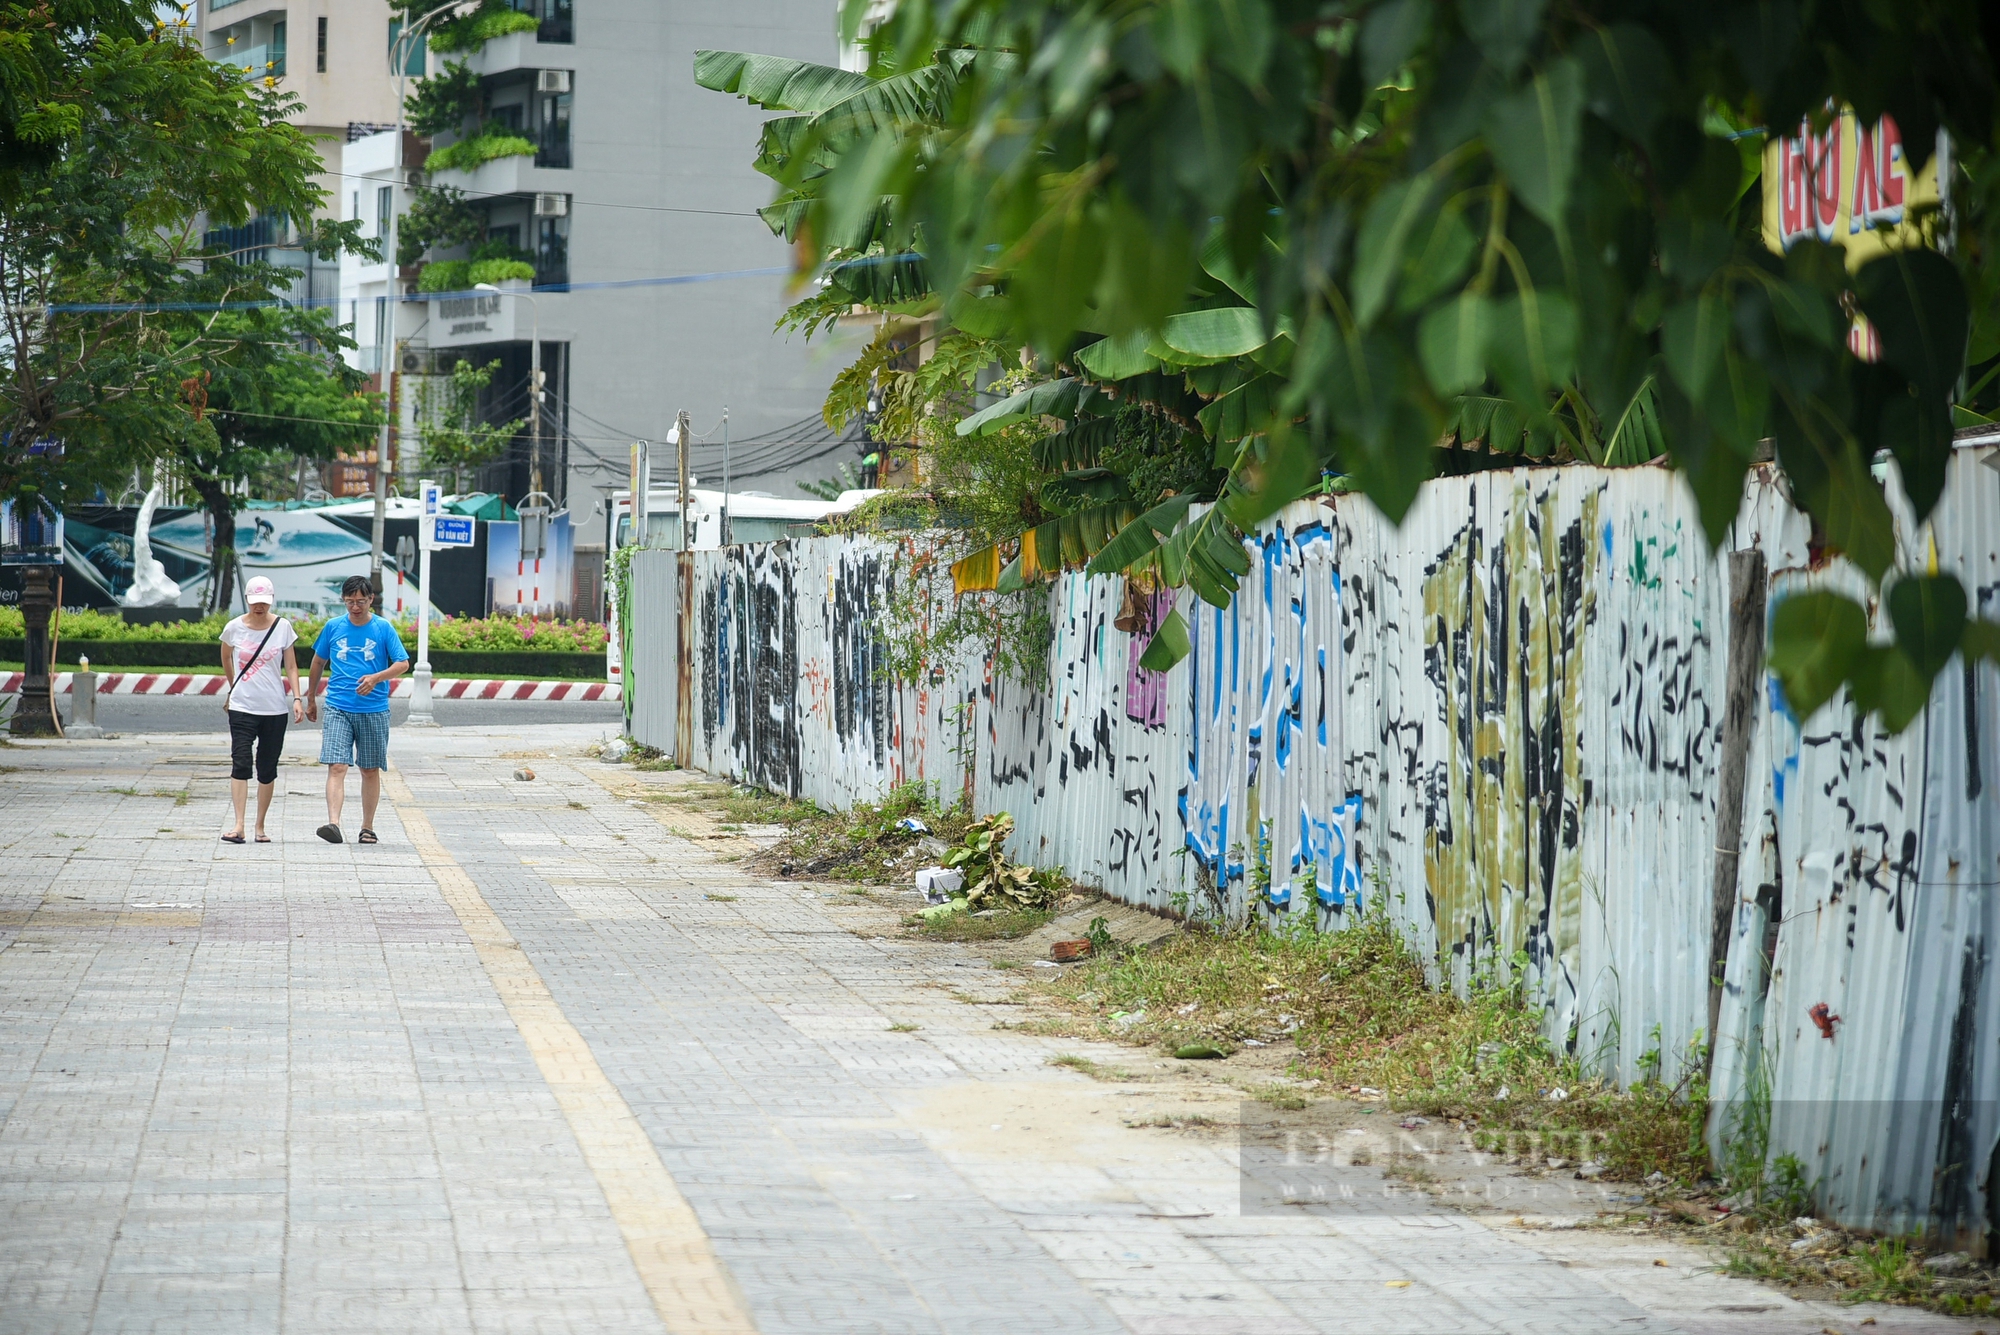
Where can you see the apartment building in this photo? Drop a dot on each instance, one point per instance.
(655, 286)
(333, 56)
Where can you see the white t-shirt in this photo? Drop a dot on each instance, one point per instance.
(260, 687)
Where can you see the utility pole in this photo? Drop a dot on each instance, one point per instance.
(683, 429)
(535, 400)
(725, 475)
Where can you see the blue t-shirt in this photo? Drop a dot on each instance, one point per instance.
(351, 653)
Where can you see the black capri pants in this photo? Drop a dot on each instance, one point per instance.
(267, 733)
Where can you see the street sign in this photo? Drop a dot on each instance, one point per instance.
(451, 531)
(433, 498)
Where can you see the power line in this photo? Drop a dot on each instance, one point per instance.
(574, 201)
(146, 308)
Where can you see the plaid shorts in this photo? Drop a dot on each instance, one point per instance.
(355, 739)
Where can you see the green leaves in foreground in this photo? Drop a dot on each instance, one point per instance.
(1819, 643)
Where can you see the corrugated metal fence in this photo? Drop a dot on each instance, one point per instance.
(1503, 719)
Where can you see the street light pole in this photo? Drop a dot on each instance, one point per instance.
(399, 65)
(429, 495)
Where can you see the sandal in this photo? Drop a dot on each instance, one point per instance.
(263, 838)
(367, 836)
(232, 838)
(330, 833)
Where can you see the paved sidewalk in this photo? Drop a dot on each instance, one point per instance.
(535, 1063)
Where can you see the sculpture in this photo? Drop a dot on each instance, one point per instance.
(150, 585)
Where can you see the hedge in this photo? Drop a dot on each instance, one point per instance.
(459, 634)
(167, 655)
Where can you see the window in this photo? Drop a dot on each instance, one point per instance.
(551, 251)
(356, 215)
(558, 25)
(321, 64)
(552, 140)
(414, 66)
(557, 21)
(384, 204)
(278, 48)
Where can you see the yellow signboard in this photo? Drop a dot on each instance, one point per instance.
(1849, 185)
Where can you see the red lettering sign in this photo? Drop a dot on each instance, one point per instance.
(1879, 177)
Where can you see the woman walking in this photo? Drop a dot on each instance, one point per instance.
(253, 647)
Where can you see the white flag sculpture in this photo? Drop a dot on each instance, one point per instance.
(150, 585)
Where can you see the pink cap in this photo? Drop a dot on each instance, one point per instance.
(259, 590)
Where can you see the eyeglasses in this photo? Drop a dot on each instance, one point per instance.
(357, 597)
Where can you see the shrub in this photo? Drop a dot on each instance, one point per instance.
(468, 154)
(499, 271)
(472, 634)
(445, 276)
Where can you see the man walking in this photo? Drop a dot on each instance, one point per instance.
(360, 654)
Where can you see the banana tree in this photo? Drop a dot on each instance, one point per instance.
(1390, 237)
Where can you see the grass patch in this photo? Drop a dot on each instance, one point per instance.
(1281, 1096)
(1858, 1270)
(721, 899)
(1176, 1122)
(1356, 1008)
(998, 925)
(1095, 1070)
(904, 1028)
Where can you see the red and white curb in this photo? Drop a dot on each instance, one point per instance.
(442, 688)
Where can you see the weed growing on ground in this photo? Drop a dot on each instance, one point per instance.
(1095, 1070)
(641, 756)
(1819, 1258)
(1359, 1010)
(867, 844)
(904, 1028)
(989, 925)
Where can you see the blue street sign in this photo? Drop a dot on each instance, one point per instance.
(453, 530)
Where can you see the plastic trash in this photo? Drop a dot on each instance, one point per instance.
(944, 910)
(913, 825)
(939, 883)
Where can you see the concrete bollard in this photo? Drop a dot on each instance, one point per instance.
(82, 723)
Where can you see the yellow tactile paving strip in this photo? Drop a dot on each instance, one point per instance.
(690, 1289)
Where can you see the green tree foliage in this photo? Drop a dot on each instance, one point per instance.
(455, 436)
(442, 102)
(109, 297)
(272, 390)
(470, 26)
(1356, 230)
(438, 217)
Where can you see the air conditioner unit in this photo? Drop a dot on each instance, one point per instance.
(552, 81)
(416, 362)
(551, 206)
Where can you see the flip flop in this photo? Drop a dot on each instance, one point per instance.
(232, 838)
(366, 837)
(330, 833)
(263, 838)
